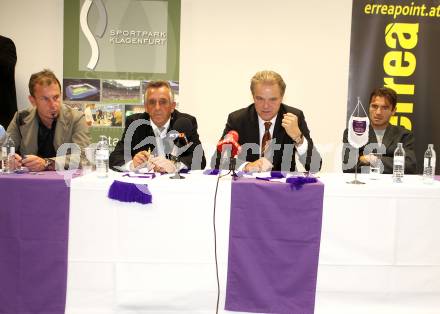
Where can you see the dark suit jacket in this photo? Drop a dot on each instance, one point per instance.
(193, 157)
(393, 135)
(245, 122)
(8, 99)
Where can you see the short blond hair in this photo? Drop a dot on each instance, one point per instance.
(268, 77)
(45, 78)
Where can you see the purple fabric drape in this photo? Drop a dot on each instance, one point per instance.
(274, 243)
(34, 220)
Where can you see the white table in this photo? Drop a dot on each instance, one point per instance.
(158, 258)
(380, 247)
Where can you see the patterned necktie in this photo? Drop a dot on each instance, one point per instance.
(266, 137)
(160, 149)
(159, 131)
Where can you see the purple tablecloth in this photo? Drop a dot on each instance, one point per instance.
(274, 243)
(34, 216)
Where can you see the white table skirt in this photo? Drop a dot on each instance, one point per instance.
(380, 247)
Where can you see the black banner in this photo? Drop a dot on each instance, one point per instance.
(396, 44)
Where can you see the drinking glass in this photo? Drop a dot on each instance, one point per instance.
(375, 163)
(88, 165)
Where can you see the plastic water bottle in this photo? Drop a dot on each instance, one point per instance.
(2, 134)
(399, 164)
(8, 155)
(3, 137)
(101, 157)
(429, 164)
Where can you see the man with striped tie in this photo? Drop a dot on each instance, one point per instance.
(270, 132)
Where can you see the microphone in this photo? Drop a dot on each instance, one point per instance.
(232, 135)
(229, 141)
(178, 138)
(2, 133)
(181, 127)
(173, 135)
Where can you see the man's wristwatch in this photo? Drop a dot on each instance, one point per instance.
(49, 164)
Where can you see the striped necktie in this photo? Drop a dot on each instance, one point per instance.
(266, 138)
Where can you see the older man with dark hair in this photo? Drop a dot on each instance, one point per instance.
(146, 135)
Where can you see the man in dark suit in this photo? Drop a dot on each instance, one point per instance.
(383, 137)
(8, 99)
(146, 142)
(270, 132)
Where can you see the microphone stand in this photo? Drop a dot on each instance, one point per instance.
(176, 160)
(175, 155)
(356, 181)
(232, 164)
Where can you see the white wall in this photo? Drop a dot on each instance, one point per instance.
(36, 27)
(223, 43)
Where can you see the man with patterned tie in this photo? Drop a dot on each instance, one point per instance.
(270, 132)
(143, 143)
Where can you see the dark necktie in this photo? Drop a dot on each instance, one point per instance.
(266, 137)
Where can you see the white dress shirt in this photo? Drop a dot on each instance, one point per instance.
(301, 149)
(160, 150)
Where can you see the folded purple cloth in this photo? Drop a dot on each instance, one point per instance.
(273, 175)
(211, 172)
(277, 175)
(298, 182)
(130, 192)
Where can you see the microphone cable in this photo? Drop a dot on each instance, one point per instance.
(215, 239)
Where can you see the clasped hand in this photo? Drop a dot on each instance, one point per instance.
(32, 162)
(368, 159)
(145, 159)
